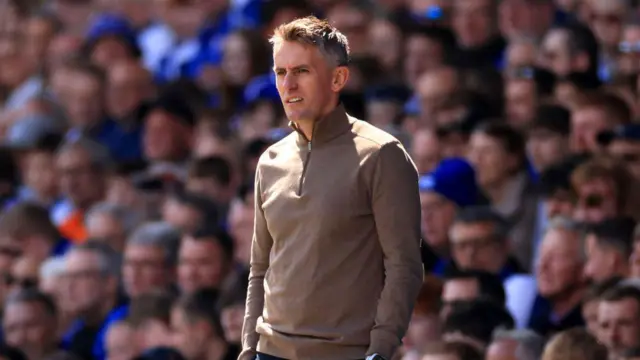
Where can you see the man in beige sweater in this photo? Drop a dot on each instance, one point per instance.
(335, 259)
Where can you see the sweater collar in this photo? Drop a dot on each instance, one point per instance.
(326, 128)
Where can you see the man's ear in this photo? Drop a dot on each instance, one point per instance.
(340, 78)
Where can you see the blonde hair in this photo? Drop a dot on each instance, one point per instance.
(574, 344)
(318, 33)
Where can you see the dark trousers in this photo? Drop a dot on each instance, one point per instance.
(262, 356)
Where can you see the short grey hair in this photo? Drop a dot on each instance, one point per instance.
(52, 267)
(562, 223)
(159, 234)
(108, 259)
(126, 217)
(319, 33)
(530, 344)
(98, 154)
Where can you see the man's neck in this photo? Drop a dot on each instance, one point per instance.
(563, 305)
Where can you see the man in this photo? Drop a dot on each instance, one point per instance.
(560, 280)
(624, 143)
(619, 319)
(548, 137)
(451, 350)
(473, 322)
(445, 191)
(591, 302)
(609, 245)
(569, 48)
(198, 333)
(30, 324)
(337, 211)
(480, 241)
(525, 89)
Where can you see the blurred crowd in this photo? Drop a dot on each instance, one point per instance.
(130, 131)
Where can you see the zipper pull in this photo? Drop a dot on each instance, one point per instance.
(309, 145)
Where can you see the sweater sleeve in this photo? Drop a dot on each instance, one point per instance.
(260, 250)
(396, 208)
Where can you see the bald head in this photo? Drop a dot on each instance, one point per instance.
(129, 84)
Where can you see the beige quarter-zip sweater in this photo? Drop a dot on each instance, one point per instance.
(335, 260)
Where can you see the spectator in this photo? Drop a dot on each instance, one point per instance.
(91, 294)
(497, 153)
(574, 344)
(479, 241)
(150, 318)
(526, 89)
(188, 211)
(30, 323)
(548, 137)
(425, 325)
(570, 48)
(198, 332)
(240, 223)
(560, 279)
(205, 260)
(624, 144)
(82, 165)
(618, 314)
(608, 248)
(213, 177)
(591, 302)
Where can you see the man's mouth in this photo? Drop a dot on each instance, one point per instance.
(294, 100)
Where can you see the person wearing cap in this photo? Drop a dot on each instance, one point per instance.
(450, 187)
(624, 143)
(548, 137)
(335, 262)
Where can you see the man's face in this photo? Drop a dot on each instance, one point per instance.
(201, 265)
(472, 22)
(236, 60)
(385, 43)
(546, 148)
(425, 151)
(559, 269)
(129, 84)
(437, 216)
(600, 260)
(353, 23)
(209, 187)
(619, 324)
(458, 290)
(607, 18)
(164, 138)
(191, 338)
(475, 247)
(421, 55)
(629, 152)
(304, 80)
(144, 269)
(86, 286)
(79, 179)
(586, 124)
(83, 100)
(590, 316)
(521, 102)
(40, 173)
(38, 34)
(490, 160)
(502, 350)
(554, 53)
(28, 327)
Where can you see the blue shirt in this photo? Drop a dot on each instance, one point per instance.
(100, 345)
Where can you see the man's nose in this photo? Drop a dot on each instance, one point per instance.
(290, 82)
